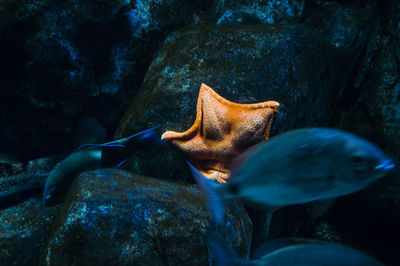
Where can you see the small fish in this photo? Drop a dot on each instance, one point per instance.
(275, 244)
(299, 166)
(94, 156)
(292, 252)
(30, 175)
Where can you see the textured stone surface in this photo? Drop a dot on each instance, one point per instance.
(370, 107)
(24, 230)
(347, 26)
(258, 12)
(65, 60)
(18, 176)
(289, 64)
(114, 217)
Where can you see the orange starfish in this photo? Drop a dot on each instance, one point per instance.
(221, 131)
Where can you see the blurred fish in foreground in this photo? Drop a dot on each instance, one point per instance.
(293, 252)
(299, 166)
(94, 156)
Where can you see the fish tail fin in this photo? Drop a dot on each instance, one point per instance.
(214, 202)
(222, 252)
(148, 135)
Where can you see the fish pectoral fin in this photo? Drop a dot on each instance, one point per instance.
(214, 201)
(148, 135)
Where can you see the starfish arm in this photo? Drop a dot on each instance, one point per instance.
(204, 89)
(221, 131)
(192, 131)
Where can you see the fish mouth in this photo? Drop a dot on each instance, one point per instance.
(386, 165)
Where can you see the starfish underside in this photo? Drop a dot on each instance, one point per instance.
(222, 130)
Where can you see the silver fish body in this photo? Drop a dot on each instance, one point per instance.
(64, 172)
(292, 252)
(299, 166)
(305, 165)
(94, 156)
(318, 253)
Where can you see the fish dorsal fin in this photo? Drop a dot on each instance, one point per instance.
(148, 134)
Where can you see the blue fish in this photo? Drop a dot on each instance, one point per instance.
(296, 167)
(292, 252)
(95, 156)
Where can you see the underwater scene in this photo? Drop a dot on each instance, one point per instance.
(200, 132)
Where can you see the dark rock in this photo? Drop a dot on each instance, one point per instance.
(339, 36)
(363, 220)
(347, 26)
(113, 217)
(375, 113)
(64, 60)
(289, 64)
(290, 221)
(16, 176)
(370, 107)
(24, 230)
(258, 12)
(374, 214)
(359, 220)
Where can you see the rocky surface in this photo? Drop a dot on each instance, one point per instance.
(24, 221)
(303, 66)
(265, 63)
(17, 177)
(69, 70)
(257, 12)
(114, 217)
(370, 107)
(307, 67)
(62, 61)
(24, 229)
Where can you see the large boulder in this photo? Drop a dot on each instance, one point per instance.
(302, 66)
(292, 64)
(24, 230)
(65, 60)
(113, 217)
(370, 107)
